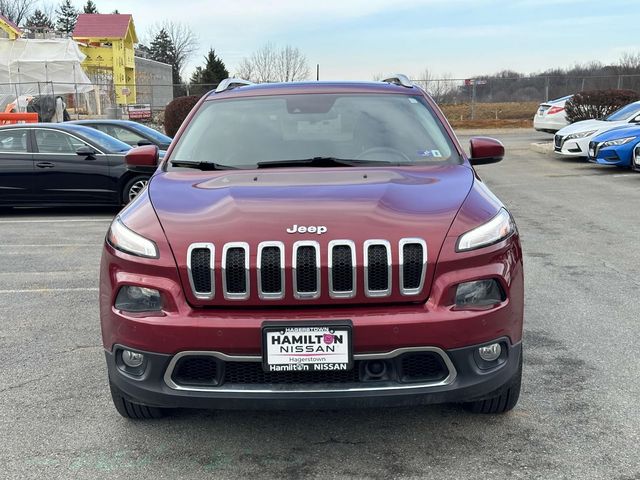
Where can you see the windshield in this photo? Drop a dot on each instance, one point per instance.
(105, 142)
(624, 113)
(389, 129)
(151, 133)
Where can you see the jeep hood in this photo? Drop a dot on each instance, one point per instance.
(357, 204)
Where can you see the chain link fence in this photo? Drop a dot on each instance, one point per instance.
(480, 99)
(513, 98)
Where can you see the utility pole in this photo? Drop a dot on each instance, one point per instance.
(318, 72)
(473, 99)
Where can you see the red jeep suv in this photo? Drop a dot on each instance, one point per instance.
(313, 245)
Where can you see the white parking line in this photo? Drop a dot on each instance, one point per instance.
(61, 220)
(50, 290)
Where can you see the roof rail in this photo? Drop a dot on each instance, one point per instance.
(231, 83)
(399, 79)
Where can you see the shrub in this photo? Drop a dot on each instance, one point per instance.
(597, 103)
(176, 111)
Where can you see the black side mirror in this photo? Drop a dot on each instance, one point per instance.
(86, 151)
(144, 142)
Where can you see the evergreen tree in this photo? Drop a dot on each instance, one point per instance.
(67, 17)
(116, 12)
(90, 7)
(161, 48)
(39, 22)
(213, 72)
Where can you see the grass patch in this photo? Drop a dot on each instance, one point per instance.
(491, 115)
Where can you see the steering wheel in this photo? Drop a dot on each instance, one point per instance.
(382, 151)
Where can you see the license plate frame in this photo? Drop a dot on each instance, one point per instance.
(335, 328)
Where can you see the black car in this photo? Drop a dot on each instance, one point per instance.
(131, 133)
(61, 164)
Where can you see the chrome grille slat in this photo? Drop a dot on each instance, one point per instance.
(413, 266)
(377, 268)
(307, 277)
(270, 288)
(342, 269)
(306, 282)
(199, 284)
(234, 275)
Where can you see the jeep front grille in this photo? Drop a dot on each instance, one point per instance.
(307, 280)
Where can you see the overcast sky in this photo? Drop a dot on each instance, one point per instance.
(356, 39)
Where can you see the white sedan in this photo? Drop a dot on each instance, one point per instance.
(573, 140)
(551, 115)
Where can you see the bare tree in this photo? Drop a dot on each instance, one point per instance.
(441, 89)
(629, 62)
(184, 43)
(245, 70)
(49, 9)
(270, 64)
(425, 80)
(291, 65)
(17, 10)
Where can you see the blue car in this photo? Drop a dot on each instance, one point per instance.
(619, 147)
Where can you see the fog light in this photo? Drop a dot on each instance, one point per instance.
(132, 359)
(479, 293)
(138, 299)
(490, 353)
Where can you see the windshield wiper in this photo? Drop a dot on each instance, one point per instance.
(203, 165)
(319, 162)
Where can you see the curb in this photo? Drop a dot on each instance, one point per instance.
(542, 147)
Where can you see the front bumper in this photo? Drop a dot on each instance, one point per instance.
(467, 382)
(573, 147)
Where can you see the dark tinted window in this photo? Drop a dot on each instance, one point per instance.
(12, 141)
(122, 134)
(53, 141)
(104, 142)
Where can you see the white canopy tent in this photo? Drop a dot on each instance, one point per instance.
(38, 67)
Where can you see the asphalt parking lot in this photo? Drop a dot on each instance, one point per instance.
(578, 416)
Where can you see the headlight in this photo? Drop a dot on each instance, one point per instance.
(138, 299)
(496, 229)
(619, 141)
(128, 241)
(573, 136)
(479, 293)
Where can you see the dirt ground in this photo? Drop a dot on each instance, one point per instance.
(491, 115)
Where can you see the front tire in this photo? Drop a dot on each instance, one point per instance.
(133, 187)
(132, 410)
(505, 400)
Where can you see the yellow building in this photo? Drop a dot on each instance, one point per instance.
(8, 29)
(108, 42)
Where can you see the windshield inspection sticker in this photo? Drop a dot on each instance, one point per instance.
(429, 153)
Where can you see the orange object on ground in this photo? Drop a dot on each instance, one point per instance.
(11, 118)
